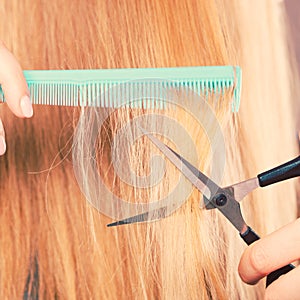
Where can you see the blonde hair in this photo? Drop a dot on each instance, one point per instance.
(54, 244)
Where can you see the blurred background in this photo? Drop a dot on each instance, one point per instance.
(293, 10)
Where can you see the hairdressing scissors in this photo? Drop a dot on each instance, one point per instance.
(226, 200)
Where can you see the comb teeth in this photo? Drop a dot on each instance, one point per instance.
(147, 88)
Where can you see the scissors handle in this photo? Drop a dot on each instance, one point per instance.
(249, 237)
(285, 171)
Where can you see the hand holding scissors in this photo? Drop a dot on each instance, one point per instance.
(226, 200)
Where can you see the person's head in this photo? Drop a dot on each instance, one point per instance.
(55, 243)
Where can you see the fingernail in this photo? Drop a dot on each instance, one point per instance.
(26, 107)
(2, 145)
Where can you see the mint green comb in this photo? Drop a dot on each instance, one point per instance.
(105, 88)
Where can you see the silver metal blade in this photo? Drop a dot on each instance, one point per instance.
(148, 216)
(231, 210)
(197, 178)
(242, 189)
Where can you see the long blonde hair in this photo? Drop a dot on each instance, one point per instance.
(53, 243)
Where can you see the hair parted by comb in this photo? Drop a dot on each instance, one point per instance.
(54, 244)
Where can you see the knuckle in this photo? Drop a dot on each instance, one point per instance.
(243, 275)
(259, 259)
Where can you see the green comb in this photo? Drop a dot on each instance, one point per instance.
(102, 88)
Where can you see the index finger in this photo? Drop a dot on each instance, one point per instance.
(14, 84)
(270, 253)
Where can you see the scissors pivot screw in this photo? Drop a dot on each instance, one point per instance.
(220, 199)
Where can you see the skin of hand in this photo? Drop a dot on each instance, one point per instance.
(270, 253)
(15, 89)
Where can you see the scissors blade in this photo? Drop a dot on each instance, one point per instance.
(206, 186)
(231, 209)
(151, 215)
(242, 189)
(197, 178)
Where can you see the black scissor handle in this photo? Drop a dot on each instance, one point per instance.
(285, 171)
(249, 237)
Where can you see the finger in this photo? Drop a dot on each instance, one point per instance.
(2, 139)
(270, 253)
(285, 287)
(14, 84)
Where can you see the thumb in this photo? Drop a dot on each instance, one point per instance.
(14, 84)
